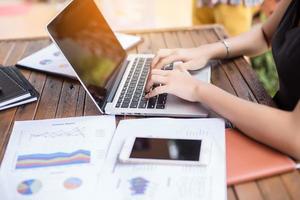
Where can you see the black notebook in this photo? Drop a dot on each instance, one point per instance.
(15, 89)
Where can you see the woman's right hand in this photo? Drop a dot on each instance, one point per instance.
(192, 58)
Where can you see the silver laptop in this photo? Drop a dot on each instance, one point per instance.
(114, 80)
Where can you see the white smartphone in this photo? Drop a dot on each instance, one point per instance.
(149, 150)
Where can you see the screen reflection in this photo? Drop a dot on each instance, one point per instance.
(168, 149)
(89, 45)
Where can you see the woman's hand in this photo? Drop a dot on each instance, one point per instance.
(192, 58)
(177, 82)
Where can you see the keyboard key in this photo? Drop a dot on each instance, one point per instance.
(118, 104)
(143, 104)
(125, 105)
(151, 102)
(134, 105)
(127, 100)
(159, 106)
(121, 97)
(135, 99)
(162, 98)
(139, 87)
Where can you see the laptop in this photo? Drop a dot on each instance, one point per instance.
(113, 79)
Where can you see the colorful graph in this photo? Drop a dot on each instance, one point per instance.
(56, 54)
(138, 185)
(72, 183)
(63, 65)
(29, 187)
(54, 159)
(45, 62)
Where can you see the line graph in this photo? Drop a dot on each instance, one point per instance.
(30, 161)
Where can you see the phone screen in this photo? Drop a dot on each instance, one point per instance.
(166, 149)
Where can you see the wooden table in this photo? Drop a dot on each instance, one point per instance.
(61, 97)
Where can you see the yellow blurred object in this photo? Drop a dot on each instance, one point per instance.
(235, 18)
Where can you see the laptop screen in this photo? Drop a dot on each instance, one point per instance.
(90, 46)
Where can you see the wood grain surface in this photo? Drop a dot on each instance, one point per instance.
(63, 97)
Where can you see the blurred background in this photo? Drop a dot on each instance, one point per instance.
(21, 19)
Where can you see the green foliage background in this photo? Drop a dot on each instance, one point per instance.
(265, 68)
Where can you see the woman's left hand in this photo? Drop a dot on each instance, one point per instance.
(178, 82)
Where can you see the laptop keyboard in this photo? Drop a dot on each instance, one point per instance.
(133, 95)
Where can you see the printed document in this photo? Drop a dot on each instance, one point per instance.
(121, 181)
(55, 159)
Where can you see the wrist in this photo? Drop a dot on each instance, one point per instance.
(214, 50)
(206, 51)
(201, 90)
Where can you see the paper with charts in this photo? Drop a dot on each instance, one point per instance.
(51, 60)
(121, 181)
(56, 159)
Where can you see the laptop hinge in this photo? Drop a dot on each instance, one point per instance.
(115, 86)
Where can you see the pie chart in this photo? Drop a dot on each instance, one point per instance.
(29, 187)
(45, 62)
(72, 183)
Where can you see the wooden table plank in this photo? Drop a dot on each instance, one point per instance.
(252, 80)
(171, 40)
(89, 107)
(230, 194)
(49, 98)
(35, 45)
(240, 87)
(16, 53)
(185, 39)
(80, 102)
(248, 191)
(145, 47)
(68, 98)
(7, 52)
(273, 189)
(291, 182)
(157, 41)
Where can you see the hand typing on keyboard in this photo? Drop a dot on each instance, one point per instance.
(133, 95)
(178, 82)
(150, 85)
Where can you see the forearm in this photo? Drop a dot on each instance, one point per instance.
(274, 127)
(249, 44)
